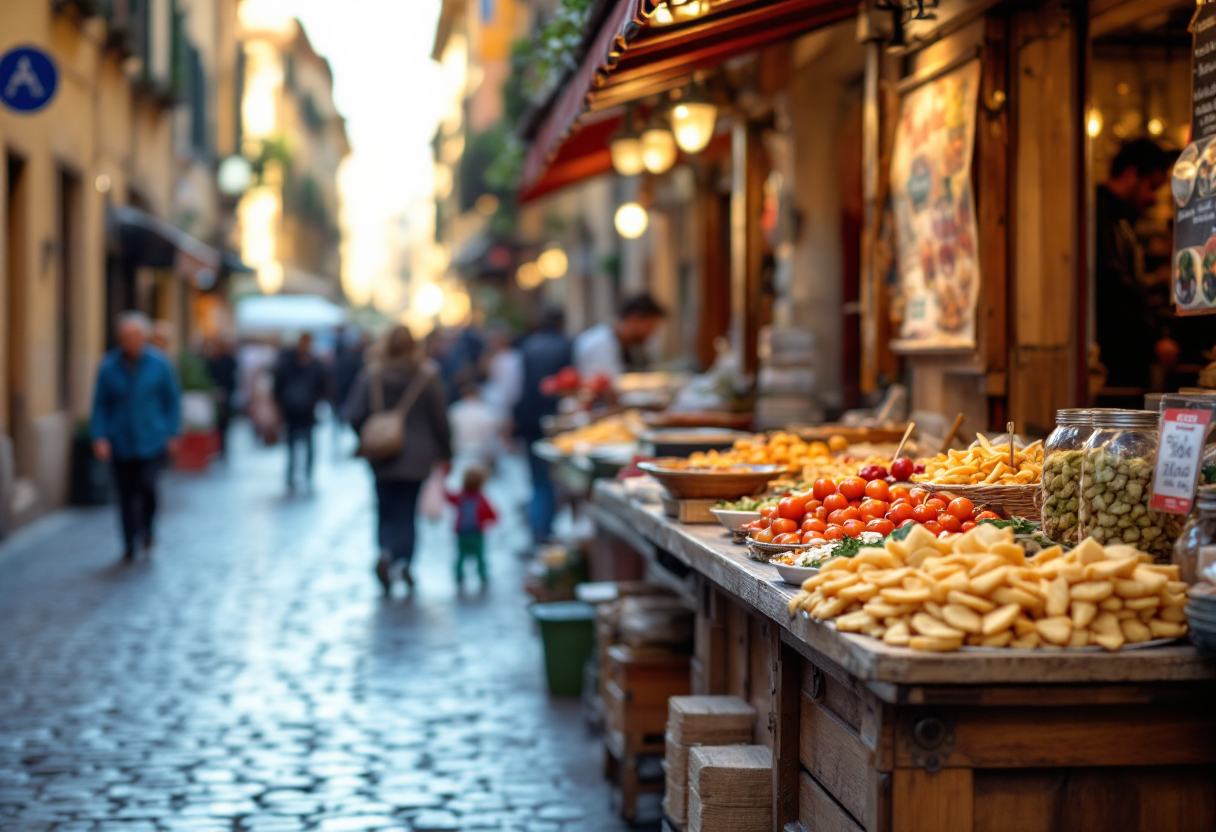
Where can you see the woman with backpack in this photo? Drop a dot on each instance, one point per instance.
(398, 408)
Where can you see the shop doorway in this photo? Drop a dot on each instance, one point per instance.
(16, 271)
(67, 339)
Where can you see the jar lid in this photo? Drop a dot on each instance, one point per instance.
(1134, 419)
(1205, 497)
(1073, 416)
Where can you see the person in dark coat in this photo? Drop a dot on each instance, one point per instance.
(428, 444)
(542, 354)
(136, 419)
(221, 367)
(299, 386)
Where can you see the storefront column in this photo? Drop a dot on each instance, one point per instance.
(746, 242)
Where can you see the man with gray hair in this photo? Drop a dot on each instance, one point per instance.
(136, 419)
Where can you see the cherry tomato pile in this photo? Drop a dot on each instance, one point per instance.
(832, 511)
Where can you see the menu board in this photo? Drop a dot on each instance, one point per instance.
(1193, 285)
(936, 253)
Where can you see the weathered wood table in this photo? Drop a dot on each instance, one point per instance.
(871, 737)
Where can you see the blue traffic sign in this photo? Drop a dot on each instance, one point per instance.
(28, 79)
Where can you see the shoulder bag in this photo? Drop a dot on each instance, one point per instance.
(383, 434)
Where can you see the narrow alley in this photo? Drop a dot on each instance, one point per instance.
(250, 677)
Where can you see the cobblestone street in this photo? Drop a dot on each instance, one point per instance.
(250, 677)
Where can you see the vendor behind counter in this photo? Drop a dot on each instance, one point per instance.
(616, 347)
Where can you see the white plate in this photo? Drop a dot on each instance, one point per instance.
(795, 574)
(734, 519)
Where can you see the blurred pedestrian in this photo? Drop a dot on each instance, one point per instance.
(299, 386)
(348, 361)
(136, 419)
(221, 366)
(400, 380)
(473, 515)
(542, 354)
(476, 429)
(610, 349)
(504, 373)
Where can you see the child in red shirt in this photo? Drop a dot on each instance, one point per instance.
(473, 514)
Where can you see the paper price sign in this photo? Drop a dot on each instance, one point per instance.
(1178, 455)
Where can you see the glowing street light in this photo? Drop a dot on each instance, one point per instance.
(528, 276)
(658, 148)
(692, 121)
(552, 263)
(631, 220)
(429, 299)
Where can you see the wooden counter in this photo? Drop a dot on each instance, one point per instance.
(871, 737)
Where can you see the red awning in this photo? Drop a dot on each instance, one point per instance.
(627, 60)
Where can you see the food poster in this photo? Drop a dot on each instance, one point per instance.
(937, 256)
(1193, 285)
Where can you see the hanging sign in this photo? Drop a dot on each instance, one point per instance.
(937, 257)
(1193, 285)
(1178, 456)
(28, 79)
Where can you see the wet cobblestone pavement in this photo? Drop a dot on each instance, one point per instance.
(251, 679)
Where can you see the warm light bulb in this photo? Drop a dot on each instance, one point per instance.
(270, 277)
(1093, 126)
(631, 220)
(658, 149)
(1156, 126)
(528, 276)
(692, 122)
(689, 10)
(662, 16)
(552, 263)
(626, 152)
(429, 299)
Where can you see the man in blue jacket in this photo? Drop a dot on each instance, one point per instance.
(136, 419)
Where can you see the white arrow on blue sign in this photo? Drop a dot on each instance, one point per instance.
(28, 79)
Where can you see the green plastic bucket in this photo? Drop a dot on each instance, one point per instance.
(567, 630)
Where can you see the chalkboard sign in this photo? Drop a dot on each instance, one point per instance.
(1193, 285)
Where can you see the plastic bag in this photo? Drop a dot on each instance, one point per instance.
(432, 500)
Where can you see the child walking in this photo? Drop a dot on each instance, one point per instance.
(473, 514)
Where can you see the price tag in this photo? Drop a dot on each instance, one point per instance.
(1178, 456)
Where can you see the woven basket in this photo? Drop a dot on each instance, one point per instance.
(1020, 500)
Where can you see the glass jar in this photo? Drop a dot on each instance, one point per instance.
(1062, 473)
(1195, 549)
(1116, 485)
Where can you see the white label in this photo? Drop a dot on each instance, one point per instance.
(1178, 455)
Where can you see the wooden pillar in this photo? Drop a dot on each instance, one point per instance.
(746, 241)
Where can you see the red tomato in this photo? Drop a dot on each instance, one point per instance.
(837, 517)
(789, 537)
(790, 508)
(822, 488)
(834, 533)
(814, 525)
(763, 536)
(902, 468)
(907, 522)
(832, 502)
(764, 523)
(900, 513)
(900, 492)
(936, 503)
(755, 524)
(949, 522)
(923, 514)
(961, 507)
(968, 525)
(855, 503)
(987, 515)
(872, 509)
(852, 514)
(769, 512)
(917, 496)
(811, 505)
(854, 528)
(820, 513)
(883, 527)
(878, 490)
(784, 526)
(853, 488)
(811, 537)
(934, 527)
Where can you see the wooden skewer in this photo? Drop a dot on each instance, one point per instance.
(904, 441)
(958, 423)
(1009, 427)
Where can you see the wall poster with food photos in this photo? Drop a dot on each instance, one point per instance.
(1194, 182)
(937, 255)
